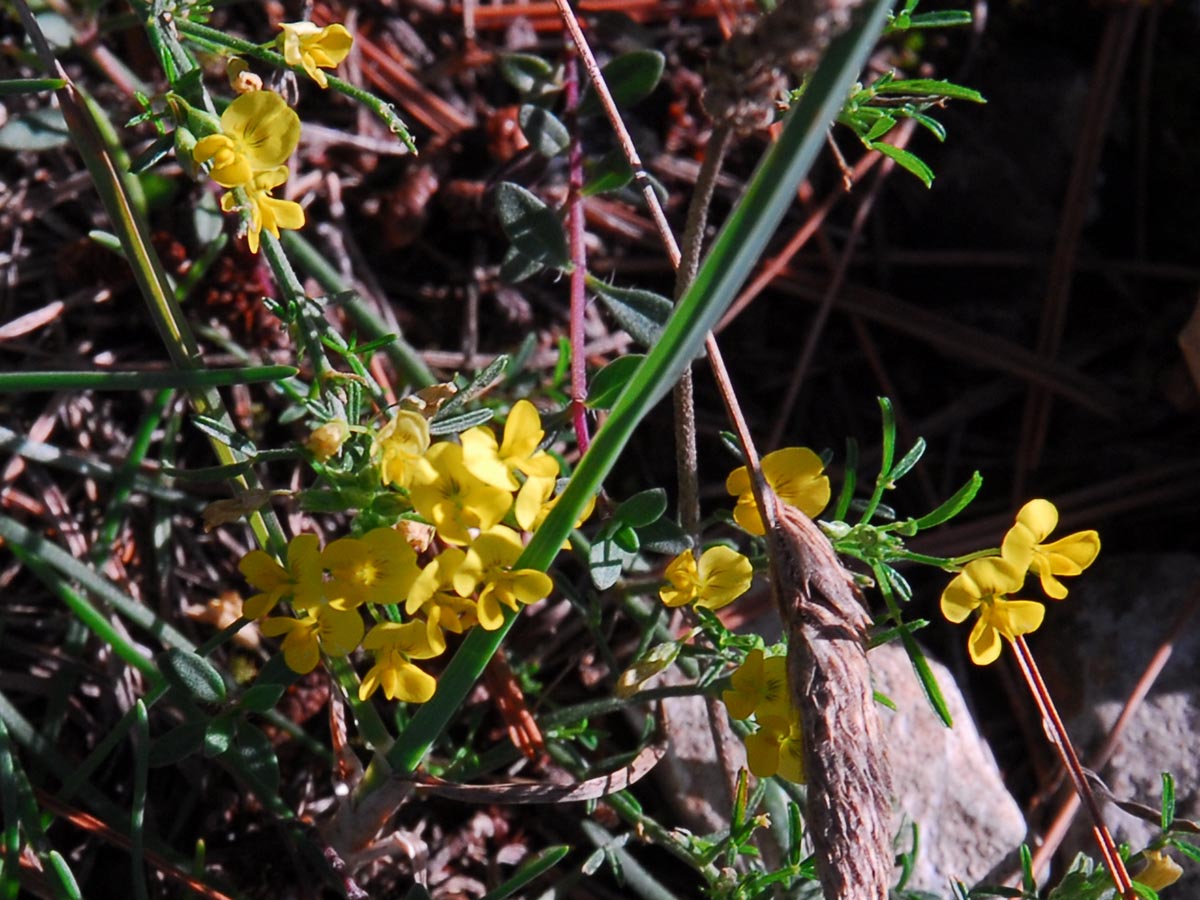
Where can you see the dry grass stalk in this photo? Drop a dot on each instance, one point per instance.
(849, 814)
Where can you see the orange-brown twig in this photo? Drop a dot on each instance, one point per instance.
(1066, 751)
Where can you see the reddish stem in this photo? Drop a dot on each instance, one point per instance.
(1066, 750)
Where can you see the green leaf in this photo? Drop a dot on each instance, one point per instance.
(258, 756)
(516, 266)
(946, 19)
(461, 422)
(931, 124)
(882, 126)
(909, 161)
(608, 383)
(643, 508)
(525, 72)
(153, 154)
(62, 876)
(664, 536)
(179, 743)
(627, 539)
(192, 674)
(260, 698)
(926, 678)
(534, 866)
(929, 87)
(532, 226)
(630, 77)
(606, 561)
(641, 313)
(218, 736)
(483, 380)
(41, 129)
(1168, 801)
(959, 501)
(1191, 851)
(11, 86)
(910, 459)
(545, 133)
(609, 173)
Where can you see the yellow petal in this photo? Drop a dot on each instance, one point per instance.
(984, 643)
(410, 684)
(1013, 618)
(724, 575)
(1040, 517)
(762, 753)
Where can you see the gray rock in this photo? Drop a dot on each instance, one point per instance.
(946, 779)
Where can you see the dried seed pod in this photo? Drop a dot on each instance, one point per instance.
(747, 75)
(849, 809)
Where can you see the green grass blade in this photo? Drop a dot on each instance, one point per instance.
(42, 551)
(140, 380)
(540, 862)
(137, 814)
(736, 250)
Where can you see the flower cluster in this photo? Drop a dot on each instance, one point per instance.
(759, 688)
(259, 132)
(985, 585)
(455, 572)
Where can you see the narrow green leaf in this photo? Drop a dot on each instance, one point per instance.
(932, 125)
(137, 812)
(959, 501)
(545, 133)
(910, 459)
(541, 862)
(930, 87)
(61, 877)
(630, 77)
(926, 678)
(949, 18)
(910, 162)
(1168, 801)
(608, 383)
(642, 314)
(483, 381)
(11, 86)
(881, 126)
(10, 881)
(533, 227)
(141, 380)
(1191, 851)
(461, 422)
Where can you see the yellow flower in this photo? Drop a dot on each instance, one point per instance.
(265, 211)
(259, 131)
(301, 581)
(496, 464)
(983, 586)
(534, 502)
(434, 591)
(721, 576)
(1160, 870)
(379, 567)
(794, 474)
(399, 447)
(304, 44)
(488, 567)
(335, 631)
(1023, 547)
(452, 499)
(759, 687)
(395, 646)
(326, 441)
(777, 748)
